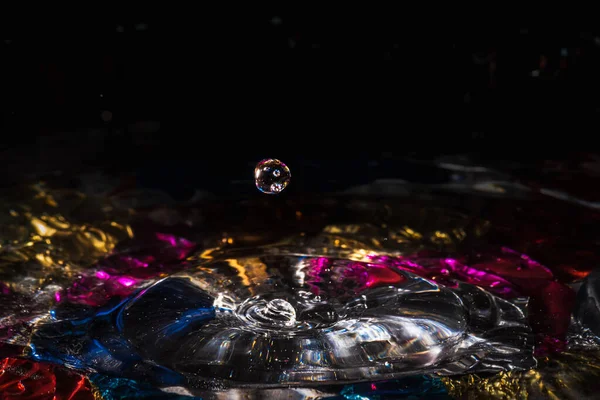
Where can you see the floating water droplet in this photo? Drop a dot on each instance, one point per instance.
(271, 176)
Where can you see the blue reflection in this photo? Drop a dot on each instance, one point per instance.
(88, 339)
(120, 388)
(410, 387)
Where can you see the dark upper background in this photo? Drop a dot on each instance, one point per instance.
(221, 91)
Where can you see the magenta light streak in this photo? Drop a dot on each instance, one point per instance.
(102, 275)
(451, 262)
(412, 264)
(4, 289)
(57, 296)
(173, 240)
(135, 263)
(167, 238)
(321, 263)
(126, 281)
(530, 263)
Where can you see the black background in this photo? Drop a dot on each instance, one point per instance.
(210, 92)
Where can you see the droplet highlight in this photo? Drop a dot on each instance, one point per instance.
(271, 176)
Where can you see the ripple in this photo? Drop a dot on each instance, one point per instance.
(289, 319)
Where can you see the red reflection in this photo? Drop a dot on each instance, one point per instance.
(24, 380)
(508, 274)
(379, 275)
(341, 278)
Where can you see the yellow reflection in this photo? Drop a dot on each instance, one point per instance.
(42, 228)
(360, 255)
(45, 259)
(45, 196)
(405, 233)
(250, 269)
(439, 237)
(205, 255)
(482, 228)
(124, 228)
(60, 231)
(240, 269)
(505, 385)
(460, 234)
(566, 375)
(347, 229)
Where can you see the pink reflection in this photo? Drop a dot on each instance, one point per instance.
(94, 291)
(57, 296)
(507, 274)
(4, 289)
(411, 264)
(149, 256)
(181, 246)
(322, 263)
(527, 262)
(102, 275)
(167, 238)
(136, 263)
(126, 281)
(343, 279)
(316, 269)
(451, 262)
(501, 271)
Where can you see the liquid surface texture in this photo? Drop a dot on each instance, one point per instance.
(301, 320)
(463, 289)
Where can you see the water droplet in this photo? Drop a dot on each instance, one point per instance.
(271, 176)
(268, 314)
(281, 308)
(106, 116)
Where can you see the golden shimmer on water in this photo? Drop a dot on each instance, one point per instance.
(52, 235)
(248, 269)
(562, 376)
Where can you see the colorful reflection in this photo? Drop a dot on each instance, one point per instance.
(412, 387)
(507, 274)
(121, 274)
(562, 376)
(86, 253)
(25, 379)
